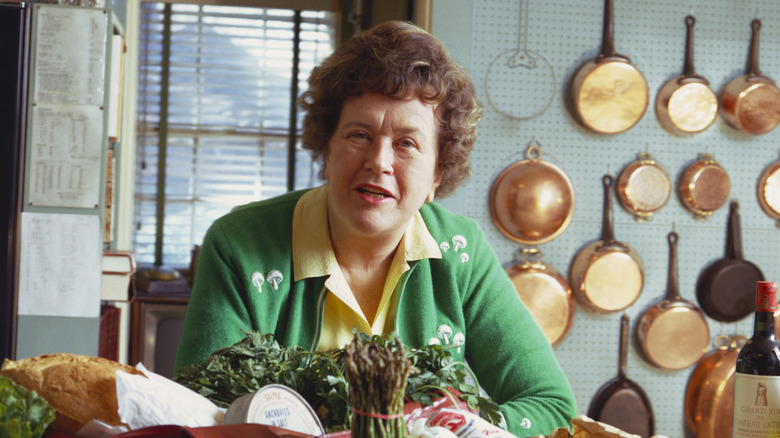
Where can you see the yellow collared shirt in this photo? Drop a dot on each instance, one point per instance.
(313, 256)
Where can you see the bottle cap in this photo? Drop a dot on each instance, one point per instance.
(766, 296)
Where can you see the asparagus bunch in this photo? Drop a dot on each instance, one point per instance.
(377, 374)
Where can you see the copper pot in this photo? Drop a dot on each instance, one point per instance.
(673, 334)
(532, 201)
(709, 393)
(768, 191)
(704, 186)
(686, 104)
(607, 275)
(545, 292)
(751, 102)
(609, 94)
(643, 187)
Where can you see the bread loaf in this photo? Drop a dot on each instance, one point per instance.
(79, 388)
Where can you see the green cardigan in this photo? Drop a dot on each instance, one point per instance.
(244, 280)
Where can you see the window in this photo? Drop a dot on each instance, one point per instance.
(216, 124)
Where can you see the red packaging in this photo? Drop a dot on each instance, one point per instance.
(466, 424)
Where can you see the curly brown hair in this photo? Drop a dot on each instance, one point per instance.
(396, 59)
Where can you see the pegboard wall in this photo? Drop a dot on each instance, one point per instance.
(565, 34)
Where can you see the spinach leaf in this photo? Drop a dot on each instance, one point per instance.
(23, 413)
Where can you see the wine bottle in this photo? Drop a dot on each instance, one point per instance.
(757, 376)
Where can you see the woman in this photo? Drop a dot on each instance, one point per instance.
(393, 119)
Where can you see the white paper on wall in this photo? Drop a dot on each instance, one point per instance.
(65, 154)
(60, 265)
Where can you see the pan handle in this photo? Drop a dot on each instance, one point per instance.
(752, 67)
(673, 283)
(608, 35)
(607, 230)
(688, 67)
(734, 235)
(623, 351)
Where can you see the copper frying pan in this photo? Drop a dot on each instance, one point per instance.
(751, 102)
(709, 393)
(704, 187)
(725, 288)
(606, 275)
(621, 402)
(686, 104)
(545, 292)
(609, 94)
(673, 334)
(643, 187)
(532, 201)
(768, 191)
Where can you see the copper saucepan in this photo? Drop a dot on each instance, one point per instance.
(725, 288)
(643, 187)
(621, 402)
(607, 275)
(545, 292)
(609, 94)
(768, 191)
(751, 102)
(532, 201)
(673, 334)
(704, 187)
(709, 393)
(686, 104)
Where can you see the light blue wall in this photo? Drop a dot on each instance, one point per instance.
(566, 33)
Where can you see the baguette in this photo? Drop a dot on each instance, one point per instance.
(79, 388)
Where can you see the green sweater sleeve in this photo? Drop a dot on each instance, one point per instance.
(515, 363)
(217, 309)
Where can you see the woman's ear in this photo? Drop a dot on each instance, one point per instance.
(326, 172)
(436, 182)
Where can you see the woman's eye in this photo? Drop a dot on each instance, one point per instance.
(406, 143)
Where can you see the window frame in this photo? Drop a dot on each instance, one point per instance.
(128, 164)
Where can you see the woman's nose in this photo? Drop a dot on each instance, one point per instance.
(379, 157)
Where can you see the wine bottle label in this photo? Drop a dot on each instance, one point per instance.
(756, 406)
(766, 296)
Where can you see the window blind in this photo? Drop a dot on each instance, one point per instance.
(214, 116)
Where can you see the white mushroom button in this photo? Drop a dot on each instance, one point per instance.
(257, 280)
(458, 242)
(444, 332)
(274, 277)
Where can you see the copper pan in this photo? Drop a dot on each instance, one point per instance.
(532, 201)
(621, 402)
(725, 287)
(751, 102)
(709, 393)
(545, 292)
(686, 104)
(643, 187)
(609, 94)
(673, 334)
(704, 187)
(768, 191)
(606, 275)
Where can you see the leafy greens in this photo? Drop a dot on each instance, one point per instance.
(318, 376)
(23, 413)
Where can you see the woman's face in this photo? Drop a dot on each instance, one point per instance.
(381, 164)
